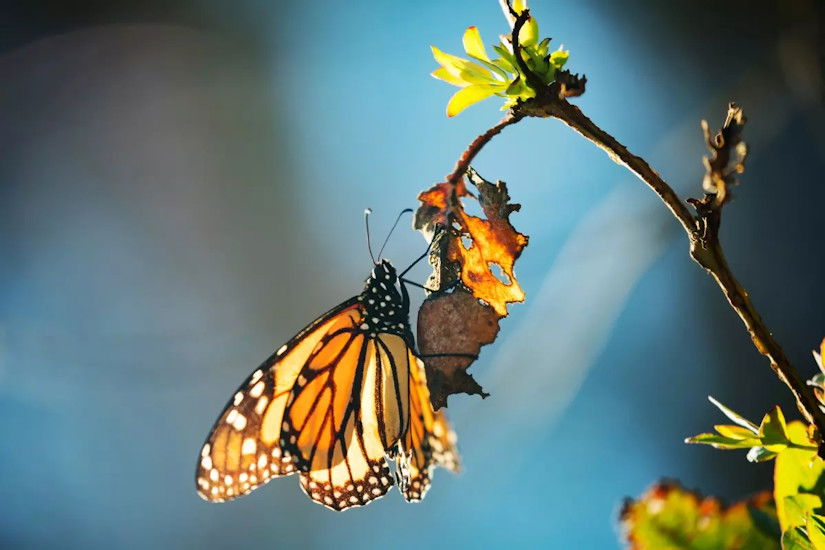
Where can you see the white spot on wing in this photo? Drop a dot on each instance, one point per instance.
(257, 390)
(240, 422)
(249, 446)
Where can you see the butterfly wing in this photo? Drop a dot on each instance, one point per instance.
(348, 409)
(243, 450)
(430, 441)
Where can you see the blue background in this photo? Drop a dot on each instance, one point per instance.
(182, 187)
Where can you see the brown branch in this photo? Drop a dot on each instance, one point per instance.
(707, 252)
(618, 153)
(478, 143)
(520, 19)
(705, 249)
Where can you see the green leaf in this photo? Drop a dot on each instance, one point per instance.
(507, 57)
(474, 45)
(735, 417)
(818, 380)
(516, 87)
(797, 471)
(719, 441)
(443, 74)
(469, 72)
(816, 530)
(558, 58)
(798, 507)
(536, 63)
(760, 454)
(543, 47)
(735, 432)
(773, 430)
(668, 517)
(493, 66)
(469, 95)
(529, 33)
(796, 539)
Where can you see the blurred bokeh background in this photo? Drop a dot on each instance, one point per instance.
(182, 187)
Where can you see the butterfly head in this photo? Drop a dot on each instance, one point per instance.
(386, 309)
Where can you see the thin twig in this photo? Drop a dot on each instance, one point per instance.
(706, 250)
(478, 143)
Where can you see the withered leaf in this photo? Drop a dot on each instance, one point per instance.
(450, 324)
(438, 204)
(453, 326)
(495, 242)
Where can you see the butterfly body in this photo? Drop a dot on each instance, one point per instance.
(330, 405)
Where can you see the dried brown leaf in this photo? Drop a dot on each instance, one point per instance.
(454, 323)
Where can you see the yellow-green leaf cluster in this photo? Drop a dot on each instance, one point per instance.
(799, 472)
(481, 76)
(669, 517)
(799, 488)
(764, 442)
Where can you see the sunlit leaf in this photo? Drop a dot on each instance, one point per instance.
(668, 517)
(797, 471)
(461, 69)
(559, 58)
(734, 416)
(798, 507)
(507, 56)
(469, 95)
(529, 33)
(721, 441)
(443, 74)
(474, 45)
(735, 432)
(816, 531)
(773, 431)
(796, 539)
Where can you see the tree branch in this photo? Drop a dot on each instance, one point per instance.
(618, 153)
(703, 234)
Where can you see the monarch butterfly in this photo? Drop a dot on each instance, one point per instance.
(332, 404)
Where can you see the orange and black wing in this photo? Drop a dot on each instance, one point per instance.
(348, 409)
(430, 441)
(243, 450)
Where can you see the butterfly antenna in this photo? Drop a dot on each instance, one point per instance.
(367, 213)
(398, 219)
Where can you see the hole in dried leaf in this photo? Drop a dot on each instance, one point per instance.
(498, 272)
(467, 241)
